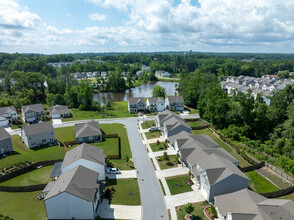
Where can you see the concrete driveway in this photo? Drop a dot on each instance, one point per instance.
(57, 121)
(124, 174)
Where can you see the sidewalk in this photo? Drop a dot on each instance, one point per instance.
(172, 172)
(184, 198)
(124, 174)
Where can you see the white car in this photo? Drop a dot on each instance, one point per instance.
(113, 171)
(153, 129)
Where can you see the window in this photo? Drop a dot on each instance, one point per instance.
(43, 140)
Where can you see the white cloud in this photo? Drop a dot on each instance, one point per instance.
(97, 17)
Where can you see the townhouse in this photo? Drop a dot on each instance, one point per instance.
(32, 113)
(174, 103)
(156, 104)
(7, 115)
(136, 105)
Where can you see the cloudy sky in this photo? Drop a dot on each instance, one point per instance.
(68, 26)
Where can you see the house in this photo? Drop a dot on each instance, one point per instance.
(173, 126)
(234, 87)
(75, 195)
(255, 92)
(35, 135)
(136, 105)
(146, 68)
(88, 132)
(59, 111)
(5, 141)
(139, 73)
(156, 104)
(4, 122)
(88, 156)
(266, 95)
(223, 84)
(161, 73)
(246, 204)
(104, 74)
(164, 116)
(32, 113)
(9, 113)
(174, 103)
(218, 175)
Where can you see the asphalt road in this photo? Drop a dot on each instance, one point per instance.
(153, 203)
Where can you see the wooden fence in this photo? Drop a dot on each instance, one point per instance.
(110, 136)
(30, 188)
(273, 168)
(253, 167)
(279, 193)
(200, 128)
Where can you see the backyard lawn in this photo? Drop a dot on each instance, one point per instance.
(158, 147)
(23, 153)
(197, 213)
(118, 110)
(206, 131)
(126, 191)
(167, 164)
(260, 184)
(148, 124)
(198, 123)
(65, 134)
(22, 206)
(178, 185)
(153, 134)
(274, 178)
(37, 176)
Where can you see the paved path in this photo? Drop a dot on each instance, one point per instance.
(57, 121)
(124, 174)
(172, 172)
(119, 211)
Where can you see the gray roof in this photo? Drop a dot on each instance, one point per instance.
(7, 109)
(173, 99)
(200, 140)
(174, 122)
(155, 99)
(257, 91)
(78, 181)
(35, 108)
(133, 101)
(38, 128)
(56, 171)
(48, 187)
(61, 109)
(267, 93)
(88, 129)
(181, 137)
(84, 151)
(167, 114)
(245, 204)
(4, 134)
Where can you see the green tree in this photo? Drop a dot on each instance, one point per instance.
(158, 91)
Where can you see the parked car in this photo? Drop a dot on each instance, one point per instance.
(153, 129)
(113, 171)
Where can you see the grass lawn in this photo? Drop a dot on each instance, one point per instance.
(118, 110)
(167, 164)
(153, 134)
(37, 176)
(176, 184)
(109, 145)
(275, 179)
(22, 206)
(126, 191)
(23, 153)
(159, 147)
(198, 211)
(198, 123)
(206, 131)
(148, 124)
(260, 184)
(290, 196)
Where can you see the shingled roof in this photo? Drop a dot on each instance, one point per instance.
(155, 99)
(38, 128)
(175, 99)
(35, 108)
(61, 109)
(78, 181)
(4, 134)
(88, 129)
(7, 109)
(133, 101)
(84, 151)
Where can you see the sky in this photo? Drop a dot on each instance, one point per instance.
(80, 26)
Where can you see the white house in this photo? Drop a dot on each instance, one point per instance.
(32, 113)
(104, 74)
(136, 104)
(174, 103)
(35, 135)
(155, 104)
(3, 122)
(9, 113)
(59, 111)
(88, 156)
(75, 195)
(146, 68)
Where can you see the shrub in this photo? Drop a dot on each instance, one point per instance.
(213, 211)
(165, 156)
(189, 208)
(158, 142)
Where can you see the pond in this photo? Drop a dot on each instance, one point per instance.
(144, 90)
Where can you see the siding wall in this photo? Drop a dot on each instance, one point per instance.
(6, 145)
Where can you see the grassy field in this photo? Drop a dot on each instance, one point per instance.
(198, 123)
(167, 164)
(260, 184)
(38, 176)
(153, 134)
(126, 191)
(275, 179)
(159, 147)
(118, 110)
(23, 153)
(197, 213)
(148, 124)
(109, 145)
(206, 131)
(177, 184)
(22, 206)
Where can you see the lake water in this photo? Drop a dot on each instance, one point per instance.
(144, 90)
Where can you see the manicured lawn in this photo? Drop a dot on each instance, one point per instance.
(126, 191)
(206, 131)
(23, 153)
(198, 123)
(22, 206)
(197, 213)
(153, 134)
(177, 184)
(65, 134)
(159, 147)
(38, 176)
(167, 164)
(148, 124)
(260, 184)
(118, 110)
